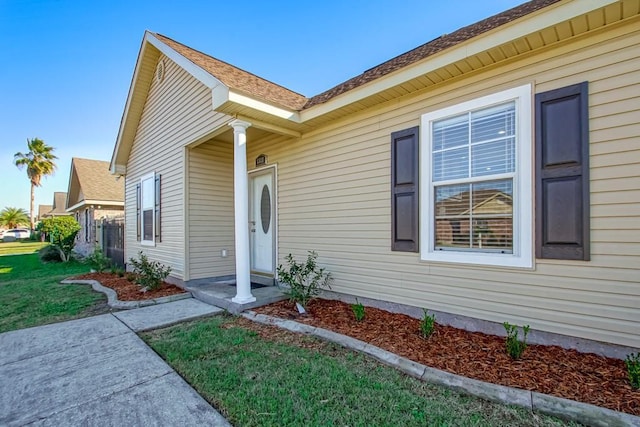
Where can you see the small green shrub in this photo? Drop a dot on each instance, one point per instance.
(358, 311)
(632, 362)
(130, 276)
(97, 260)
(514, 346)
(118, 271)
(61, 232)
(427, 324)
(149, 274)
(305, 280)
(49, 254)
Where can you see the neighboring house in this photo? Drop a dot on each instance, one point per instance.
(93, 194)
(43, 210)
(58, 207)
(481, 219)
(226, 173)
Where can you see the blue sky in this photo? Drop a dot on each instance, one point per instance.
(67, 65)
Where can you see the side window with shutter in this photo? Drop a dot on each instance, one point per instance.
(148, 215)
(158, 235)
(562, 173)
(404, 190)
(138, 219)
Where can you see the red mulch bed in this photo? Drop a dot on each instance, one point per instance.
(545, 369)
(129, 291)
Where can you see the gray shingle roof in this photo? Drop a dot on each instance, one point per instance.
(96, 181)
(258, 87)
(237, 78)
(59, 204)
(431, 48)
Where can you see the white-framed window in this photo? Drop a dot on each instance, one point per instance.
(476, 201)
(147, 209)
(86, 225)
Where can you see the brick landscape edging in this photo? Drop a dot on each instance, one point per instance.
(584, 413)
(114, 302)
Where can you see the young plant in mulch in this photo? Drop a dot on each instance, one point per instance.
(358, 311)
(117, 271)
(149, 274)
(427, 324)
(304, 281)
(97, 260)
(632, 362)
(514, 346)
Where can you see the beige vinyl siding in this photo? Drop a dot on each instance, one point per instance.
(211, 217)
(334, 197)
(177, 112)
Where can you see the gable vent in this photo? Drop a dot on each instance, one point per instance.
(160, 71)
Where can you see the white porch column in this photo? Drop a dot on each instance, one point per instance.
(241, 209)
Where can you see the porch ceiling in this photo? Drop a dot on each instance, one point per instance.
(253, 134)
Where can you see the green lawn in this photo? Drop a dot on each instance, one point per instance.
(20, 247)
(295, 380)
(31, 295)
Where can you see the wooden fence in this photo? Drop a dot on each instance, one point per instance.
(111, 232)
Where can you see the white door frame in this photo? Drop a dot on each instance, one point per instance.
(273, 169)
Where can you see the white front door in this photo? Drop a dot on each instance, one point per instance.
(262, 220)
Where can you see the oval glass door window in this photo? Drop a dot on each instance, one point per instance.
(265, 209)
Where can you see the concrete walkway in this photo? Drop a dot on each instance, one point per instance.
(96, 371)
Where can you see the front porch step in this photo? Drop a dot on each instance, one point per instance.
(220, 294)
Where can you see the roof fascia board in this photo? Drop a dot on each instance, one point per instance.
(197, 72)
(249, 102)
(104, 202)
(71, 175)
(94, 202)
(549, 16)
(219, 92)
(113, 166)
(118, 170)
(219, 96)
(76, 206)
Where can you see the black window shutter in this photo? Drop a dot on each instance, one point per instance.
(562, 173)
(138, 213)
(156, 215)
(404, 190)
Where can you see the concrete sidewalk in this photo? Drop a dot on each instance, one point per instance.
(96, 371)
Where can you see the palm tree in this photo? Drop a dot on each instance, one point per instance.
(13, 217)
(39, 162)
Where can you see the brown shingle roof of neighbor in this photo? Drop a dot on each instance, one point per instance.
(251, 84)
(237, 78)
(96, 181)
(59, 204)
(43, 210)
(430, 48)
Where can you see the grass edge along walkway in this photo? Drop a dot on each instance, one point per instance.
(31, 295)
(288, 379)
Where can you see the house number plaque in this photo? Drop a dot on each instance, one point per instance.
(261, 160)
